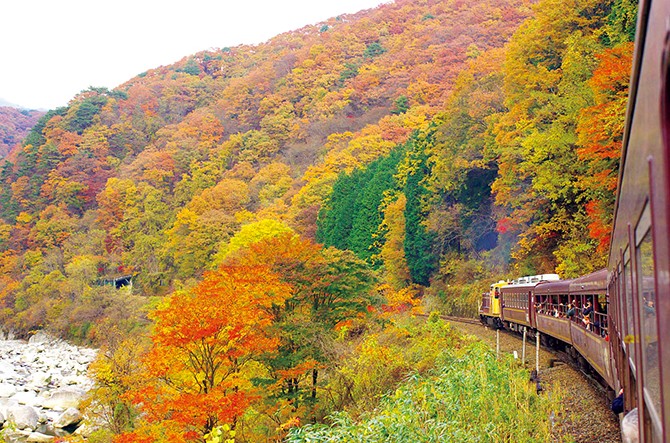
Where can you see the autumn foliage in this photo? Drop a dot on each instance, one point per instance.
(203, 341)
(277, 207)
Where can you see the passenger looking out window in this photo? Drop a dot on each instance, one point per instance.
(588, 309)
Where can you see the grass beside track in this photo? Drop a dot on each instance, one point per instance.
(470, 397)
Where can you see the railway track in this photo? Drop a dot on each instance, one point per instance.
(562, 355)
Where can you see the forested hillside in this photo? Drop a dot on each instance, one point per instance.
(14, 126)
(276, 205)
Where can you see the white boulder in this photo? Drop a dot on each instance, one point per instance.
(26, 398)
(6, 404)
(7, 390)
(23, 417)
(36, 437)
(71, 416)
(63, 398)
(42, 337)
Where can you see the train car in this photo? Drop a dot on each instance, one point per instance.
(552, 306)
(574, 313)
(589, 329)
(517, 300)
(489, 308)
(639, 260)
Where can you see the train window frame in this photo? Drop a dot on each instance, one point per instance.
(644, 236)
(629, 313)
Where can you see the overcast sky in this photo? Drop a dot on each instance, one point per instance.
(52, 49)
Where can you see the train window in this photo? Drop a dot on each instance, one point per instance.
(648, 322)
(629, 332)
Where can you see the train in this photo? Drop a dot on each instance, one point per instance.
(621, 334)
(569, 314)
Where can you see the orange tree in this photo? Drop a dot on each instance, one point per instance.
(203, 339)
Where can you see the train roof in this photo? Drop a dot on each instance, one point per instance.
(532, 280)
(524, 284)
(553, 287)
(593, 283)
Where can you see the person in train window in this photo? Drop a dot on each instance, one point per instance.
(649, 307)
(588, 309)
(596, 326)
(587, 322)
(571, 310)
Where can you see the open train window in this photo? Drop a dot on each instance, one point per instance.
(648, 321)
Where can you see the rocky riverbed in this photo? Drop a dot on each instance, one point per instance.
(42, 382)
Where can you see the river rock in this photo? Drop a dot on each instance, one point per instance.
(71, 416)
(39, 438)
(24, 417)
(15, 435)
(86, 429)
(42, 337)
(7, 390)
(27, 398)
(5, 405)
(7, 370)
(63, 398)
(39, 380)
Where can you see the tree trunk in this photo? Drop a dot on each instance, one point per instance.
(315, 376)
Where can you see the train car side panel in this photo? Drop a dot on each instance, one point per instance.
(556, 327)
(594, 349)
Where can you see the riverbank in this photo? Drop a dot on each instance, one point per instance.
(42, 382)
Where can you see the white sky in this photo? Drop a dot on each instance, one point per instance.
(52, 49)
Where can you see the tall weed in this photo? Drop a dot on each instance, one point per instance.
(470, 397)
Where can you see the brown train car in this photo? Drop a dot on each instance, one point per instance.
(552, 304)
(516, 302)
(590, 333)
(639, 261)
(560, 308)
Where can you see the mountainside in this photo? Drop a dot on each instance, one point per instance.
(290, 199)
(14, 126)
(254, 131)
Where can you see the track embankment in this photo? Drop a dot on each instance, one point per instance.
(585, 416)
